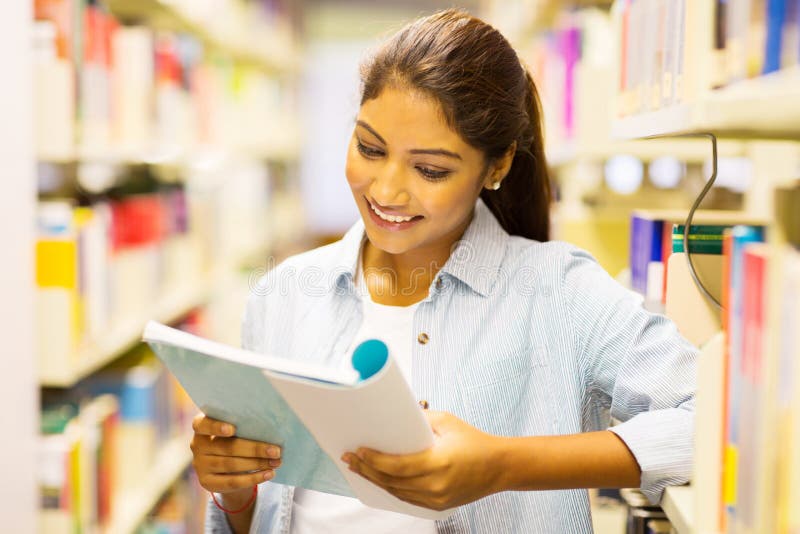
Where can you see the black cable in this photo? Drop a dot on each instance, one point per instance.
(688, 225)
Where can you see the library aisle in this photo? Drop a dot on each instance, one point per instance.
(160, 155)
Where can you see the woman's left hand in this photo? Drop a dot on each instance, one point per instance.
(459, 468)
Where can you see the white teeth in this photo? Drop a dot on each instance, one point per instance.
(390, 218)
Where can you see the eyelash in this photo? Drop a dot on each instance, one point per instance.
(426, 173)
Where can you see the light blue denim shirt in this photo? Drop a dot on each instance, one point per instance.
(516, 337)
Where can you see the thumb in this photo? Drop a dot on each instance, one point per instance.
(439, 421)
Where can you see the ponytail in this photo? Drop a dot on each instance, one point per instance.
(522, 204)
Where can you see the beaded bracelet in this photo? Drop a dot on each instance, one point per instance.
(242, 509)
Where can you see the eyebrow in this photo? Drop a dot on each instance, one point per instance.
(432, 151)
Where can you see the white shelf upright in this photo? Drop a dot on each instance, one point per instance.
(19, 392)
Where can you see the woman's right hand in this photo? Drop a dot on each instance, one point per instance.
(227, 464)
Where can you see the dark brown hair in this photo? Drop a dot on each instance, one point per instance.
(487, 96)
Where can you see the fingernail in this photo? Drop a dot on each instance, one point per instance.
(360, 454)
(274, 452)
(269, 474)
(227, 430)
(346, 458)
(275, 463)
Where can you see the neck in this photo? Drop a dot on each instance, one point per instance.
(403, 279)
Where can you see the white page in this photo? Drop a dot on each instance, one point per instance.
(158, 333)
(379, 413)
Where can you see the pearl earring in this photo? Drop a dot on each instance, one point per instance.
(496, 185)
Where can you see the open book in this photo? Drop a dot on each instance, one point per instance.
(313, 412)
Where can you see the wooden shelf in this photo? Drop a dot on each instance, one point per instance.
(677, 504)
(766, 107)
(686, 150)
(133, 504)
(243, 44)
(124, 335)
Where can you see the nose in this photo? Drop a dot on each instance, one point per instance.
(388, 188)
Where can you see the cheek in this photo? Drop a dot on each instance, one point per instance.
(356, 170)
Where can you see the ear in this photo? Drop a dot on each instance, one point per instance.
(499, 168)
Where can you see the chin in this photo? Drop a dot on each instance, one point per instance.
(387, 244)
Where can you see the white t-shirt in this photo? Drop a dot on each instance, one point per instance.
(314, 512)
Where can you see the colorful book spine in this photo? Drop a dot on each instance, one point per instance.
(741, 236)
(646, 236)
(776, 25)
(752, 405)
(703, 239)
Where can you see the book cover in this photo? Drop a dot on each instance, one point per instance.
(315, 414)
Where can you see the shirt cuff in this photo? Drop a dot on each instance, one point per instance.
(216, 522)
(662, 442)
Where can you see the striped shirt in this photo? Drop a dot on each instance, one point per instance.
(516, 337)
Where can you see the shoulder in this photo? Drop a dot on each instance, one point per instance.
(550, 257)
(317, 267)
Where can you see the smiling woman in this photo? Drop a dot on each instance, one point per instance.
(523, 346)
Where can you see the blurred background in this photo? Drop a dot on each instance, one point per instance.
(160, 155)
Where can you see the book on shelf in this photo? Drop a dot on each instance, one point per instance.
(313, 412)
(100, 440)
(787, 400)
(749, 38)
(657, 234)
(741, 237)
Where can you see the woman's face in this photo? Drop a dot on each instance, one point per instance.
(414, 179)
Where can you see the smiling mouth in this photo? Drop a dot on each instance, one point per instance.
(392, 218)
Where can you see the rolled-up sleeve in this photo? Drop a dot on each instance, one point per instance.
(637, 365)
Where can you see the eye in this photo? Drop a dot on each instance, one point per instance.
(368, 152)
(431, 174)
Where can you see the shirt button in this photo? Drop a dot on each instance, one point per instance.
(423, 404)
(422, 338)
(439, 283)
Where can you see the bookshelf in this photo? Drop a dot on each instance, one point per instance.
(670, 68)
(223, 26)
(678, 506)
(189, 107)
(19, 394)
(123, 335)
(766, 107)
(686, 150)
(135, 502)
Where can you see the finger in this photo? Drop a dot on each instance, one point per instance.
(233, 464)
(224, 483)
(245, 448)
(383, 480)
(416, 499)
(398, 465)
(202, 424)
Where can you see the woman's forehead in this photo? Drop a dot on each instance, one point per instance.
(409, 117)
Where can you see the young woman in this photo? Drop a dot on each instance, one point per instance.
(521, 347)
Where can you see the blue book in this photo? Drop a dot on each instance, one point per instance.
(776, 18)
(314, 413)
(646, 247)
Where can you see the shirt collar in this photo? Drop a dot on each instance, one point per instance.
(475, 260)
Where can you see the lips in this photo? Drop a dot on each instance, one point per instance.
(391, 221)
